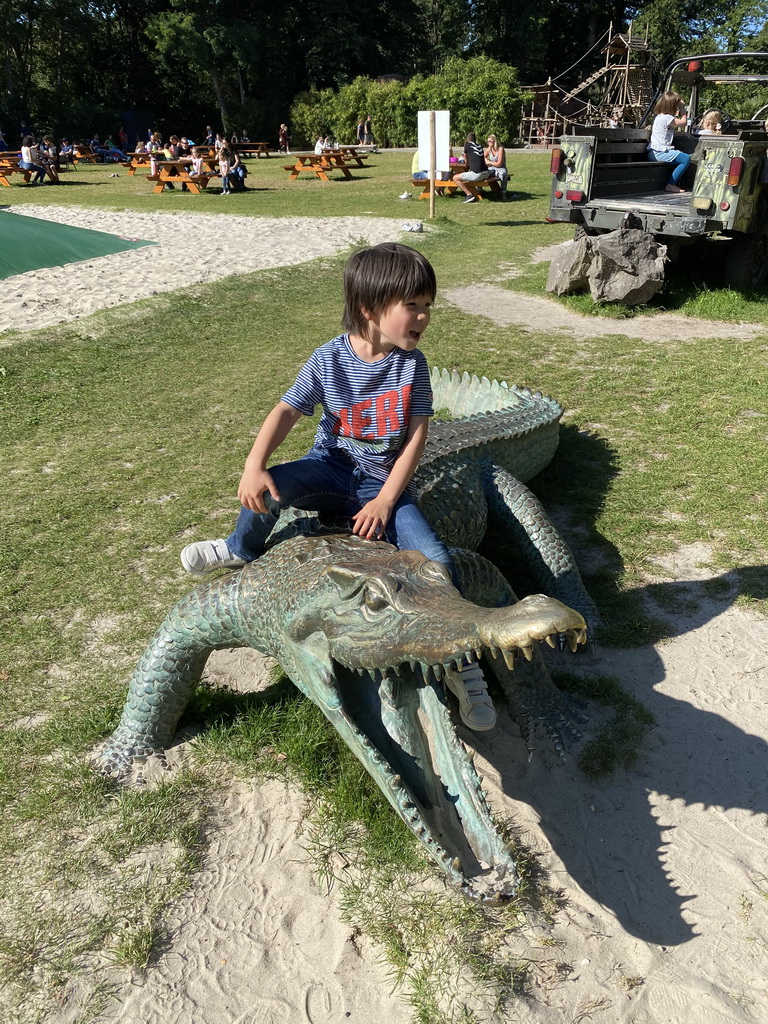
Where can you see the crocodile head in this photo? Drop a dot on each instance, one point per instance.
(369, 637)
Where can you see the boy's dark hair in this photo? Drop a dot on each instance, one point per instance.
(377, 278)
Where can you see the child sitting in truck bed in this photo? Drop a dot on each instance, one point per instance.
(670, 114)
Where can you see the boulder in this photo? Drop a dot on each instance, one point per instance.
(569, 270)
(625, 266)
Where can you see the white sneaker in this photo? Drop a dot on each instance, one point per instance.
(206, 555)
(405, 195)
(471, 199)
(475, 706)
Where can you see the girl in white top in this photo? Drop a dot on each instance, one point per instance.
(670, 114)
(710, 123)
(30, 159)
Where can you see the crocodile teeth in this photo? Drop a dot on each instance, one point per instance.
(437, 672)
(573, 643)
(494, 651)
(528, 652)
(456, 865)
(550, 640)
(396, 782)
(509, 660)
(478, 653)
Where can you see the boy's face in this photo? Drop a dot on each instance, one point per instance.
(402, 324)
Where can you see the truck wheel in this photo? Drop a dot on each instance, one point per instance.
(748, 260)
(580, 231)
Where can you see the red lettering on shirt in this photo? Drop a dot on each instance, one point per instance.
(361, 418)
(372, 418)
(387, 418)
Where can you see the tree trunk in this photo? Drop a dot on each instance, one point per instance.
(219, 89)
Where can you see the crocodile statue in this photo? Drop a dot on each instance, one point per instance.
(328, 607)
(366, 632)
(473, 472)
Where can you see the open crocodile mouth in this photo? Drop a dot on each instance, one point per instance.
(403, 733)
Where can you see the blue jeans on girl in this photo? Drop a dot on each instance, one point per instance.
(676, 157)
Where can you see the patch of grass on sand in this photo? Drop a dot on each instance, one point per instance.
(124, 438)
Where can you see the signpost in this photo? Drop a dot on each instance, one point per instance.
(434, 127)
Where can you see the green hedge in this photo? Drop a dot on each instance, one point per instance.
(482, 95)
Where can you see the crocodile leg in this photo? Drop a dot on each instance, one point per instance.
(168, 671)
(533, 700)
(522, 515)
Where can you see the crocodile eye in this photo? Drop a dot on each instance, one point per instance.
(375, 601)
(436, 570)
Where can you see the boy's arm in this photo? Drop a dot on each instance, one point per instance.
(256, 479)
(371, 520)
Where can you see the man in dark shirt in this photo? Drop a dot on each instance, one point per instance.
(478, 168)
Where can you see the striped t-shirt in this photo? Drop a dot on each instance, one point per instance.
(366, 406)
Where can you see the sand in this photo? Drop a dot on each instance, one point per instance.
(192, 248)
(662, 869)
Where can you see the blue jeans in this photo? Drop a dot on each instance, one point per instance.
(676, 157)
(26, 166)
(331, 482)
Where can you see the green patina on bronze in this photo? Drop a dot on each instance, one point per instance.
(367, 631)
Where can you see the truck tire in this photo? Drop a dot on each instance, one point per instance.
(580, 231)
(747, 262)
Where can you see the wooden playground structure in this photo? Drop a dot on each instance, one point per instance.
(616, 94)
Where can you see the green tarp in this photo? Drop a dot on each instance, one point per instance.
(28, 243)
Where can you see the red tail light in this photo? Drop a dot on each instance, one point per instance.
(555, 161)
(574, 197)
(735, 170)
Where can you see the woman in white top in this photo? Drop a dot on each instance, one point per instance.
(670, 114)
(496, 159)
(30, 160)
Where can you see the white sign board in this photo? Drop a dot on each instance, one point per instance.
(442, 140)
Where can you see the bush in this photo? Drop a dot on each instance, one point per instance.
(482, 95)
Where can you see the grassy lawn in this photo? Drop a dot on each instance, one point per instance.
(124, 437)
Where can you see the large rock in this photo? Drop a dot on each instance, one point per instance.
(569, 270)
(622, 266)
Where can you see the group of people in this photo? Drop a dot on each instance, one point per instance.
(482, 163)
(364, 132)
(42, 158)
(231, 168)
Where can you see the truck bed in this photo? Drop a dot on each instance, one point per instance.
(648, 202)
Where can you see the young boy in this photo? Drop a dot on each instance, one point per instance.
(374, 388)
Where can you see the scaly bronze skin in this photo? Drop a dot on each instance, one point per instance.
(366, 632)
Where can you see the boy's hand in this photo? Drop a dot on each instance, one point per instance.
(253, 485)
(371, 521)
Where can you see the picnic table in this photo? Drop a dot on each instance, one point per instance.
(249, 148)
(353, 153)
(81, 152)
(138, 160)
(318, 164)
(176, 172)
(447, 186)
(9, 164)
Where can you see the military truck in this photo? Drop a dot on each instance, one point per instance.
(602, 178)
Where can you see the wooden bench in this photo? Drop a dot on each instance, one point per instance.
(624, 169)
(449, 186)
(9, 164)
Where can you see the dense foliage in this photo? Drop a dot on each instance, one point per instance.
(482, 95)
(74, 68)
